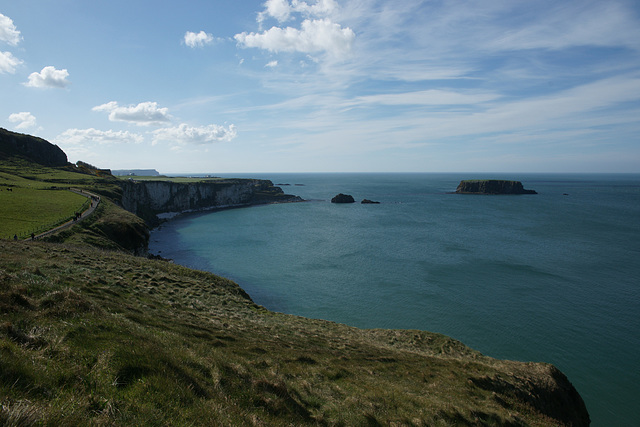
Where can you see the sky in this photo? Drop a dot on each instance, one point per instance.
(227, 86)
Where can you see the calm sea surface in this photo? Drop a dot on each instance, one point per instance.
(553, 277)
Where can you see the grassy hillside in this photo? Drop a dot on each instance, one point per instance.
(36, 198)
(25, 210)
(100, 337)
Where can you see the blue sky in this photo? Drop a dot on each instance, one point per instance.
(327, 85)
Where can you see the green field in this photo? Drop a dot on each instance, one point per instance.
(25, 210)
(22, 173)
(35, 198)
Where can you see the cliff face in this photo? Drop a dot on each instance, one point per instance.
(31, 148)
(147, 199)
(492, 186)
(134, 172)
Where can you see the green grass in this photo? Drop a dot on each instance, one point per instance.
(35, 198)
(110, 227)
(10, 179)
(27, 210)
(46, 176)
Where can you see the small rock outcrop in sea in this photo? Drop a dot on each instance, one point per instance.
(492, 186)
(369, 202)
(343, 198)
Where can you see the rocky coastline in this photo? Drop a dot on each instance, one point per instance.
(154, 201)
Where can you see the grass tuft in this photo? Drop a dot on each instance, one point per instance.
(19, 414)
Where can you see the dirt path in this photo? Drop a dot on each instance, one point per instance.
(95, 201)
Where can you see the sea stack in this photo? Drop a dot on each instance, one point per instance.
(491, 186)
(343, 198)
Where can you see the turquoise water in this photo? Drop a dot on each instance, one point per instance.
(553, 277)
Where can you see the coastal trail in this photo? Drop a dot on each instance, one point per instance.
(95, 201)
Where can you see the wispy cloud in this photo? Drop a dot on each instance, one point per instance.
(8, 62)
(282, 10)
(94, 144)
(427, 97)
(23, 120)
(451, 73)
(581, 114)
(8, 31)
(95, 136)
(570, 24)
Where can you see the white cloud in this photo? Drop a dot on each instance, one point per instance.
(109, 106)
(86, 136)
(314, 36)
(8, 62)
(282, 9)
(49, 77)
(184, 134)
(8, 32)
(145, 113)
(272, 64)
(279, 9)
(200, 39)
(24, 120)
(320, 8)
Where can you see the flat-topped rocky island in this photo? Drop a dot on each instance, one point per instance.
(491, 186)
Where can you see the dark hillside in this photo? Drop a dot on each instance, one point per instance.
(32, 148)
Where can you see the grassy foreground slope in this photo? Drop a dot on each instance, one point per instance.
(90, 336)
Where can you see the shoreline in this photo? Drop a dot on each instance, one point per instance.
(165, 217)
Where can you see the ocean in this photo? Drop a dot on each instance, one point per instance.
(552, 277)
